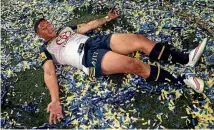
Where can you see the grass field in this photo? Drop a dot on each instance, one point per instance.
(24, 104)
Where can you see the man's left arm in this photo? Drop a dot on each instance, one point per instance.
(83, 28)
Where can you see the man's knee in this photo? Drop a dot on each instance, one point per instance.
(137, 39)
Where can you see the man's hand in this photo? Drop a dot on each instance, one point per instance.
(114, 13)
(55, 110)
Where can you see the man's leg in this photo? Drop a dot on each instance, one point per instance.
(127, 43)
(114, 63)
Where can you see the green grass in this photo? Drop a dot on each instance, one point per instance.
(29, 89)
(154, 107)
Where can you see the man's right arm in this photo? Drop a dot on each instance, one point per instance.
(49, 73)
(51, 82)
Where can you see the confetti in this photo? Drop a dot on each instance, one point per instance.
(99, 103)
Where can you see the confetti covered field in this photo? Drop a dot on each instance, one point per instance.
(120, 101)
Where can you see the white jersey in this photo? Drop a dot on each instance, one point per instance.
(64, 49)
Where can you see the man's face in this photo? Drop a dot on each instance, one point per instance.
(46, 30)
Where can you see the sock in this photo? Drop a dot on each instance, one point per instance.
(161, 75)
(160, 52)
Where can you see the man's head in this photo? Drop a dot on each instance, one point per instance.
(44, 29)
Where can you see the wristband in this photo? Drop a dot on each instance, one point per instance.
(107, 18)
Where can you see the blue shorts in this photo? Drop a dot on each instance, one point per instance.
(94, 50)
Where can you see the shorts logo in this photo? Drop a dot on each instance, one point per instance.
(42, 57)
(94, 58)
(63, 38)
(92, 70)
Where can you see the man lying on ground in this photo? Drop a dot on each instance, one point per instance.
(105, 55)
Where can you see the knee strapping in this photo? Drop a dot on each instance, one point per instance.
(161, 75)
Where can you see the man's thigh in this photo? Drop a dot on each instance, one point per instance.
(114, 63)
(128, 43)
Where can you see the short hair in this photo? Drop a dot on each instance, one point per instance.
(37, 23)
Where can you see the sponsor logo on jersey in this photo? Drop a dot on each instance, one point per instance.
(42, 57)
(63, 38)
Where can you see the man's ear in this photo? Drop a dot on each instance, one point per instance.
(38, 34)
